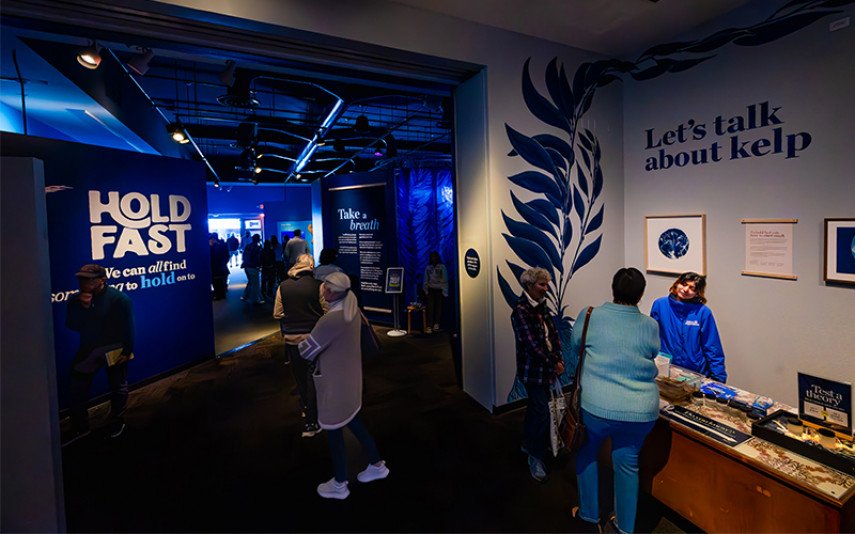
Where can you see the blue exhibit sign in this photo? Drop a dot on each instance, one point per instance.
(144, 219)
(395, 280)
(826, 402)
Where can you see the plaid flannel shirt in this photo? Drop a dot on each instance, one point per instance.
(535, 362)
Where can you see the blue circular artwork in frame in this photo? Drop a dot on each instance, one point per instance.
(673, 243)
(852, 247)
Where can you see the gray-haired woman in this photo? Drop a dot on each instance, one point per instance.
(334, 344)
(538, 362)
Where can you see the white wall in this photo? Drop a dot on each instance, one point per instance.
(771, 328)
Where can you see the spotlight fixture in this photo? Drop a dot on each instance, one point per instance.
(89, 57)
(362, 124)
(228, 75)
(139, 62)
(178, 132)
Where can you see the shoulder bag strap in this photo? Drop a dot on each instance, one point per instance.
(582, 345)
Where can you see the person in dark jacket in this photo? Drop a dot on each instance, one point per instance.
(252, 267)
(538, 362)
(219, 266)
(298, 307)
(268, 275)
(104, 316)
(234, 249)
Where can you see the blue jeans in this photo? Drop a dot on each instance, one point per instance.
(339, 453)
(627, 439)
(537, 420)
(252, 292)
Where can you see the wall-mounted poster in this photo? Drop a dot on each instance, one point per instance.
(675, 243)
(839, 251)
(769, 248)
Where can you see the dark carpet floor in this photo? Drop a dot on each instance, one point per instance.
(217, 448)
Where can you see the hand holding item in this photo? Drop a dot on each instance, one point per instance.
(85, 299)
(559, 368)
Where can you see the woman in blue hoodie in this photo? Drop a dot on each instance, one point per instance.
(687, 330)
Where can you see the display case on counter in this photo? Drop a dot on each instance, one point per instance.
(703, 461)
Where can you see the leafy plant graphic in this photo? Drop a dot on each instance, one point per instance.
(560, 230)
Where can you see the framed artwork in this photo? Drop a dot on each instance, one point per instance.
(675, 243)
(839, 251)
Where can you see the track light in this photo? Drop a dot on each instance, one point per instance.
(139, 62)
(362, 124)
(89, 57)
(228, 75)
(178, 133)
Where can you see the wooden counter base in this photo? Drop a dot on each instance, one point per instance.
(719, 490)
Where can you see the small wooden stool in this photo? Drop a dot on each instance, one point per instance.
(410, 311)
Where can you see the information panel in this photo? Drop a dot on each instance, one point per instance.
(358, 222)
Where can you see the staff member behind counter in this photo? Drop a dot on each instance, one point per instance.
(687, 330)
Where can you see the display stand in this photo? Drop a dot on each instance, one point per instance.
(395, 286)
(396, 319)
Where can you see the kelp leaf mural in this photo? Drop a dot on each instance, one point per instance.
(561, 228)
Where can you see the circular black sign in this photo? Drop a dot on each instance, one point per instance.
(472, 262)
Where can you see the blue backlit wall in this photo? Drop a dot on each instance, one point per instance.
(425, 205)
(143, 218)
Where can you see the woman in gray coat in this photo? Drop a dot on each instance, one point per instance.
(334, 345)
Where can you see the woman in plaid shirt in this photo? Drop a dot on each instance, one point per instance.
(538, 363)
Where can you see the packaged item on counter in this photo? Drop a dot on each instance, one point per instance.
(697, 398)
(827, 438)
(795, 426)
(709, 400)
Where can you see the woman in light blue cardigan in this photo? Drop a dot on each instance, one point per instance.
(619, 396)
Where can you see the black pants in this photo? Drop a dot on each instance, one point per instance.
(537, 420)
(305, 383)
(220, 284)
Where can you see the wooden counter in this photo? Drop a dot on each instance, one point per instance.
(756, 486)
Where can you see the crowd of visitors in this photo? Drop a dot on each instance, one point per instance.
(320, 322)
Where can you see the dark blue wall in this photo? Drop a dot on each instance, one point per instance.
(161, 258)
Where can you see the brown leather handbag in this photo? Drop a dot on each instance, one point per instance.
(572, 429)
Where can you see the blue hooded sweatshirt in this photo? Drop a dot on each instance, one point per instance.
(688, 334)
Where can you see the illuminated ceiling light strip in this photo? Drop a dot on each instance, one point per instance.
(305, 157)
(313, 144)
(332, 115)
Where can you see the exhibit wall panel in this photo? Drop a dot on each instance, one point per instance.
(30, 436)
(473, 200)
(504, 55)
(792, 159)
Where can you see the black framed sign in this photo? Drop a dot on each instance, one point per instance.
(395, 280)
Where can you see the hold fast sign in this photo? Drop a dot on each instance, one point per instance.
(137, 223)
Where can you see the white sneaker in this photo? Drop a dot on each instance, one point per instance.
(331, 489)
(372, 472)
